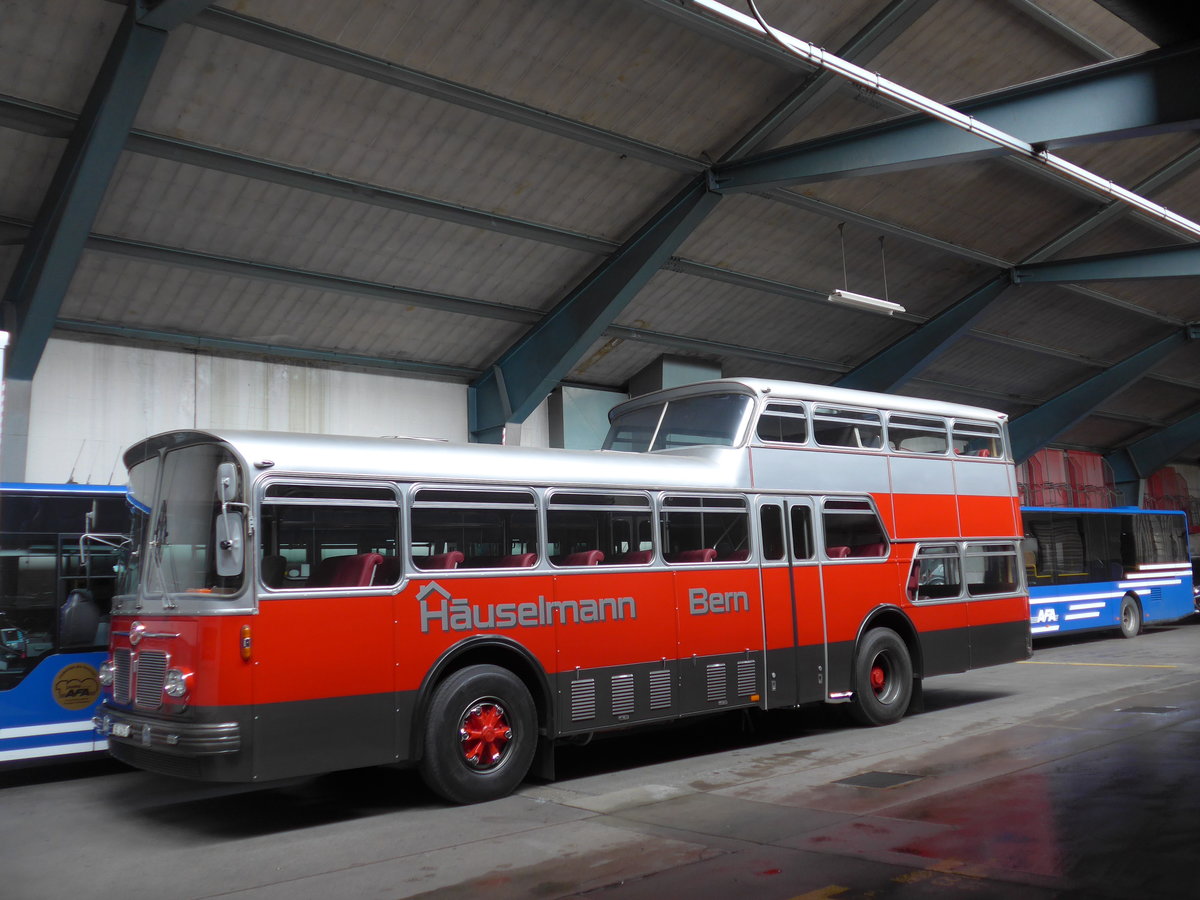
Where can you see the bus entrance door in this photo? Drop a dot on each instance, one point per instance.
(793, 617)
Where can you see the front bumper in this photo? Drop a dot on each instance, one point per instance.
(176, 738)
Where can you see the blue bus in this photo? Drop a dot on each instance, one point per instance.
(60, 550)
(1090, 569)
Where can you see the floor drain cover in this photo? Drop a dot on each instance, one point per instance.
(879, 779)
(1156, 710)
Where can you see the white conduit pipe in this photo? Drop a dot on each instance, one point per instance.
(823, 59)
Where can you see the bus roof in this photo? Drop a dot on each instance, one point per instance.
(821, 393)
(411, 459)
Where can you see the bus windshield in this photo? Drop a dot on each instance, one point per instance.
(713, 419)
(176, 509)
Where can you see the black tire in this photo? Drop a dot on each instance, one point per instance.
(883, 678)
(1131, 617)
(480, 736)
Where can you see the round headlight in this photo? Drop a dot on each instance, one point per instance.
(175, 684)
(105, 675)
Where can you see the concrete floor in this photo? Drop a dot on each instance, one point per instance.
(1072, 775)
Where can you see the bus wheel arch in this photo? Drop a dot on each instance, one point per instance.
(1131, 616)
(886, 668)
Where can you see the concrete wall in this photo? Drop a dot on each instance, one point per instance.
(90, 401)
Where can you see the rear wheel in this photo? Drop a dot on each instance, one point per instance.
(481, 735)
(883, 678)
(1131, 617)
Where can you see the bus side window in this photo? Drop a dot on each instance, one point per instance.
(783, 423)
(598, 529)
(837, 427)
(473, 529)
(852, 529)
(705, 529)
(936, 573)
(980, 439)
(325, 536)
(917, 434)
(991, 569)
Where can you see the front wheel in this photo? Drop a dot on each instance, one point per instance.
(480, 736)
(883, 678)
(1131, 617)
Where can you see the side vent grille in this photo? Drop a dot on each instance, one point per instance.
(583, 699)
(660, 689)
(622, 695)
(745, 677)
(717, 687)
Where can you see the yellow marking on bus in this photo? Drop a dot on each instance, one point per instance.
(1044, 662)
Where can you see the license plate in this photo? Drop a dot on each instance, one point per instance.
(121, 729)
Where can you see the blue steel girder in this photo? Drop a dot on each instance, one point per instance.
(906, 358)
(1160, 262)
(522, 377)
(1133, 97)
(52, 250)
(168, 14)
(1144, 457)
(1038, 427)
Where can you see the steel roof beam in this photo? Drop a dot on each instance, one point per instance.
(283, 40)
(1037, 428)
(873, 38)
(1161, 262)
(1052, 23)
(1133, 97)
(168, 14)
(52, 249)
(522, 377)
(320, 281)
(900, 362)
(1144, 457)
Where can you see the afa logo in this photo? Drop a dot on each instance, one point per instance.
(76, 686)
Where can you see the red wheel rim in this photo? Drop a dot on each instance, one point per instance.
(878, 678)
(484, 733)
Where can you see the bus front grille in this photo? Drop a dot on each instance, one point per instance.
(121, 663)
(151, 673)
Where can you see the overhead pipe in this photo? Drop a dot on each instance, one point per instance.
(872, 81)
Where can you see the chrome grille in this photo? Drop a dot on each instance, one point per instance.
(583, 699)
(745, 677)
(622, 695)
(660, 689)
(149, 678)
(121, 660)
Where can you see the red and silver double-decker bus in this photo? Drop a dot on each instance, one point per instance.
(299, 604)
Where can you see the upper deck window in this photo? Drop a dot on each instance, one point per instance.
(917, 434)
(710, 419)
(783, 423)
(835, 426)
(977, 439)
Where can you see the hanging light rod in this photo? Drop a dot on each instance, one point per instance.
(849, 298)
(842, 68)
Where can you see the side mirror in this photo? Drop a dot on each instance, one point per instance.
(230, 549)
(227, 482)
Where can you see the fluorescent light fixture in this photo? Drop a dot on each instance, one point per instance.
(849, 298)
